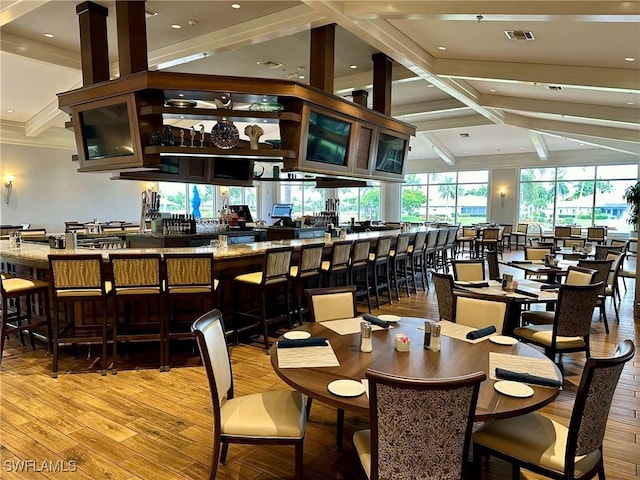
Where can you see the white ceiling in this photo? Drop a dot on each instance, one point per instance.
(494, 89)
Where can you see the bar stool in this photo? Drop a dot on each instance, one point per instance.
(138, 277)
(17, 289)
(417, 264)
(398, 264)
(307, 270)
(379, 268)
(359, 269)
(338, 264)
(188, 277)
(79, 280)
(273, 275)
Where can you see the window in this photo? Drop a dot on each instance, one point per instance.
(306, 199)
(582, 196)
(359, 203)
(451, 197)
(191, 199)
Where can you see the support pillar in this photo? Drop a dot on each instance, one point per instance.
(94, 49)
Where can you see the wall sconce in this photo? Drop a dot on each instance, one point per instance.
(8, 184)
(502, 195)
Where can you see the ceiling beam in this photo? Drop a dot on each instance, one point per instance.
(293, 20)
(424, 108)
(432, 141)
(39, 51)
(16, 9)
(467, 121)
(46, 118)
(540, 145)
(555, 107)
(529, 10)
(594, 77)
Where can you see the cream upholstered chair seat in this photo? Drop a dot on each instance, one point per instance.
(253, 277)
(85, 292)
(268, 414)
(538, 317)
(362, 444)
(542, 334)
(18, 286)
(544, 444)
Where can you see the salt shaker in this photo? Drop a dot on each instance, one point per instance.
(434, 343)
(427, 334)
(365, 337)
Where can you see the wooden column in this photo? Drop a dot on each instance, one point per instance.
(132, 36)
(94, 50)
(321, 57)
(360, 97)
(382, 70)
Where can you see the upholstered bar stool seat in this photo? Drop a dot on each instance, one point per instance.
(19, 289)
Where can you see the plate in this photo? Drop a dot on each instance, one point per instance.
(182, 103)
(296, 335)
(389, 318)
(346, 388)
(224, 134)
(513, 389)
(503, 340)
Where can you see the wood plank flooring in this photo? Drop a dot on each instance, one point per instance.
(145, 425)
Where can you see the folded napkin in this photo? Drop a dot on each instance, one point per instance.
(523, 262)
(549, 286)
(475, 284)
(482, 332)
(305, 342)
(526, 293)
(526, 378)
(375, 320)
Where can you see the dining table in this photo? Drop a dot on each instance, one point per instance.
(538, 267)
(457, 356)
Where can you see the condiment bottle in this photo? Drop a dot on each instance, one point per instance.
(427, 333)
(366, 345)
(434, 343)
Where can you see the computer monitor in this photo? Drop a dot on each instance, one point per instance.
(281, 210)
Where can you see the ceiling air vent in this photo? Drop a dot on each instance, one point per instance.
(519, 35)
(556, 88)
(269, 64)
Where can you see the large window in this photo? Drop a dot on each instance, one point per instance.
(305, 197)
(359, 203)
(582, 196)
(200, 200)
(452, 197)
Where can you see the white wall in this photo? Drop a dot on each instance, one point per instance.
(49, 191)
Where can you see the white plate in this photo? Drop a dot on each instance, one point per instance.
(503, 340)
(346, 388)
(296, 335)
(513, 389)
(389, 318)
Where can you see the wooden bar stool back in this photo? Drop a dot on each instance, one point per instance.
(338, 264)
(379, 268)
(358, 269)
(79, 286)
(306, 270)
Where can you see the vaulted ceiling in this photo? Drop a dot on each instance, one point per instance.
(479, 79)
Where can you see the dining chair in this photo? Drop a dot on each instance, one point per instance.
(306, 270)
(190, 291)
(440, 260)
(398, 264)
(420, 428)
(273, 276)
(560, 233)
(537, 253)
(596, 234)
(443, 283)
(359, 269)
(507, 229)
(612, 288)
(494, 266)
(571, 325)
(570, 242)
(480, 310)
(468, 237)
(538, 443)
(579, 276)
(272, 418)
(468, 270)
(602, 269)
(488, 241)
(81, 295)
(521, 233)
(430, 249)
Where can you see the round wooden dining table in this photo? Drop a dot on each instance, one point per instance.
(455, 358)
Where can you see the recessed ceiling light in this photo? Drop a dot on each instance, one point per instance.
(353, 67)
(301, 77)
(10, 110)
(235, 5)
(629, 59)
(630, 103)
(176, 26)
(442, 48)
(48, 35)
(181, 94)
(430, 85)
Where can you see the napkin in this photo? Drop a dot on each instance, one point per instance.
(524, 262)
(375, 320)
(305, 342)
(482, 332)
(526, 293)
(527, 378)
(549, 286)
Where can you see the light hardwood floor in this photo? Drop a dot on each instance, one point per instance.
(143, 424)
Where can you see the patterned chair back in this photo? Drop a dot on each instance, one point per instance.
(420, 428)
(189, 273)
(276, 265)
(574, 310)
(444, 294)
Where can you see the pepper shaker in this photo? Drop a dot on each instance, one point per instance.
(427, 333)
(365, 337)
(434, 343)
